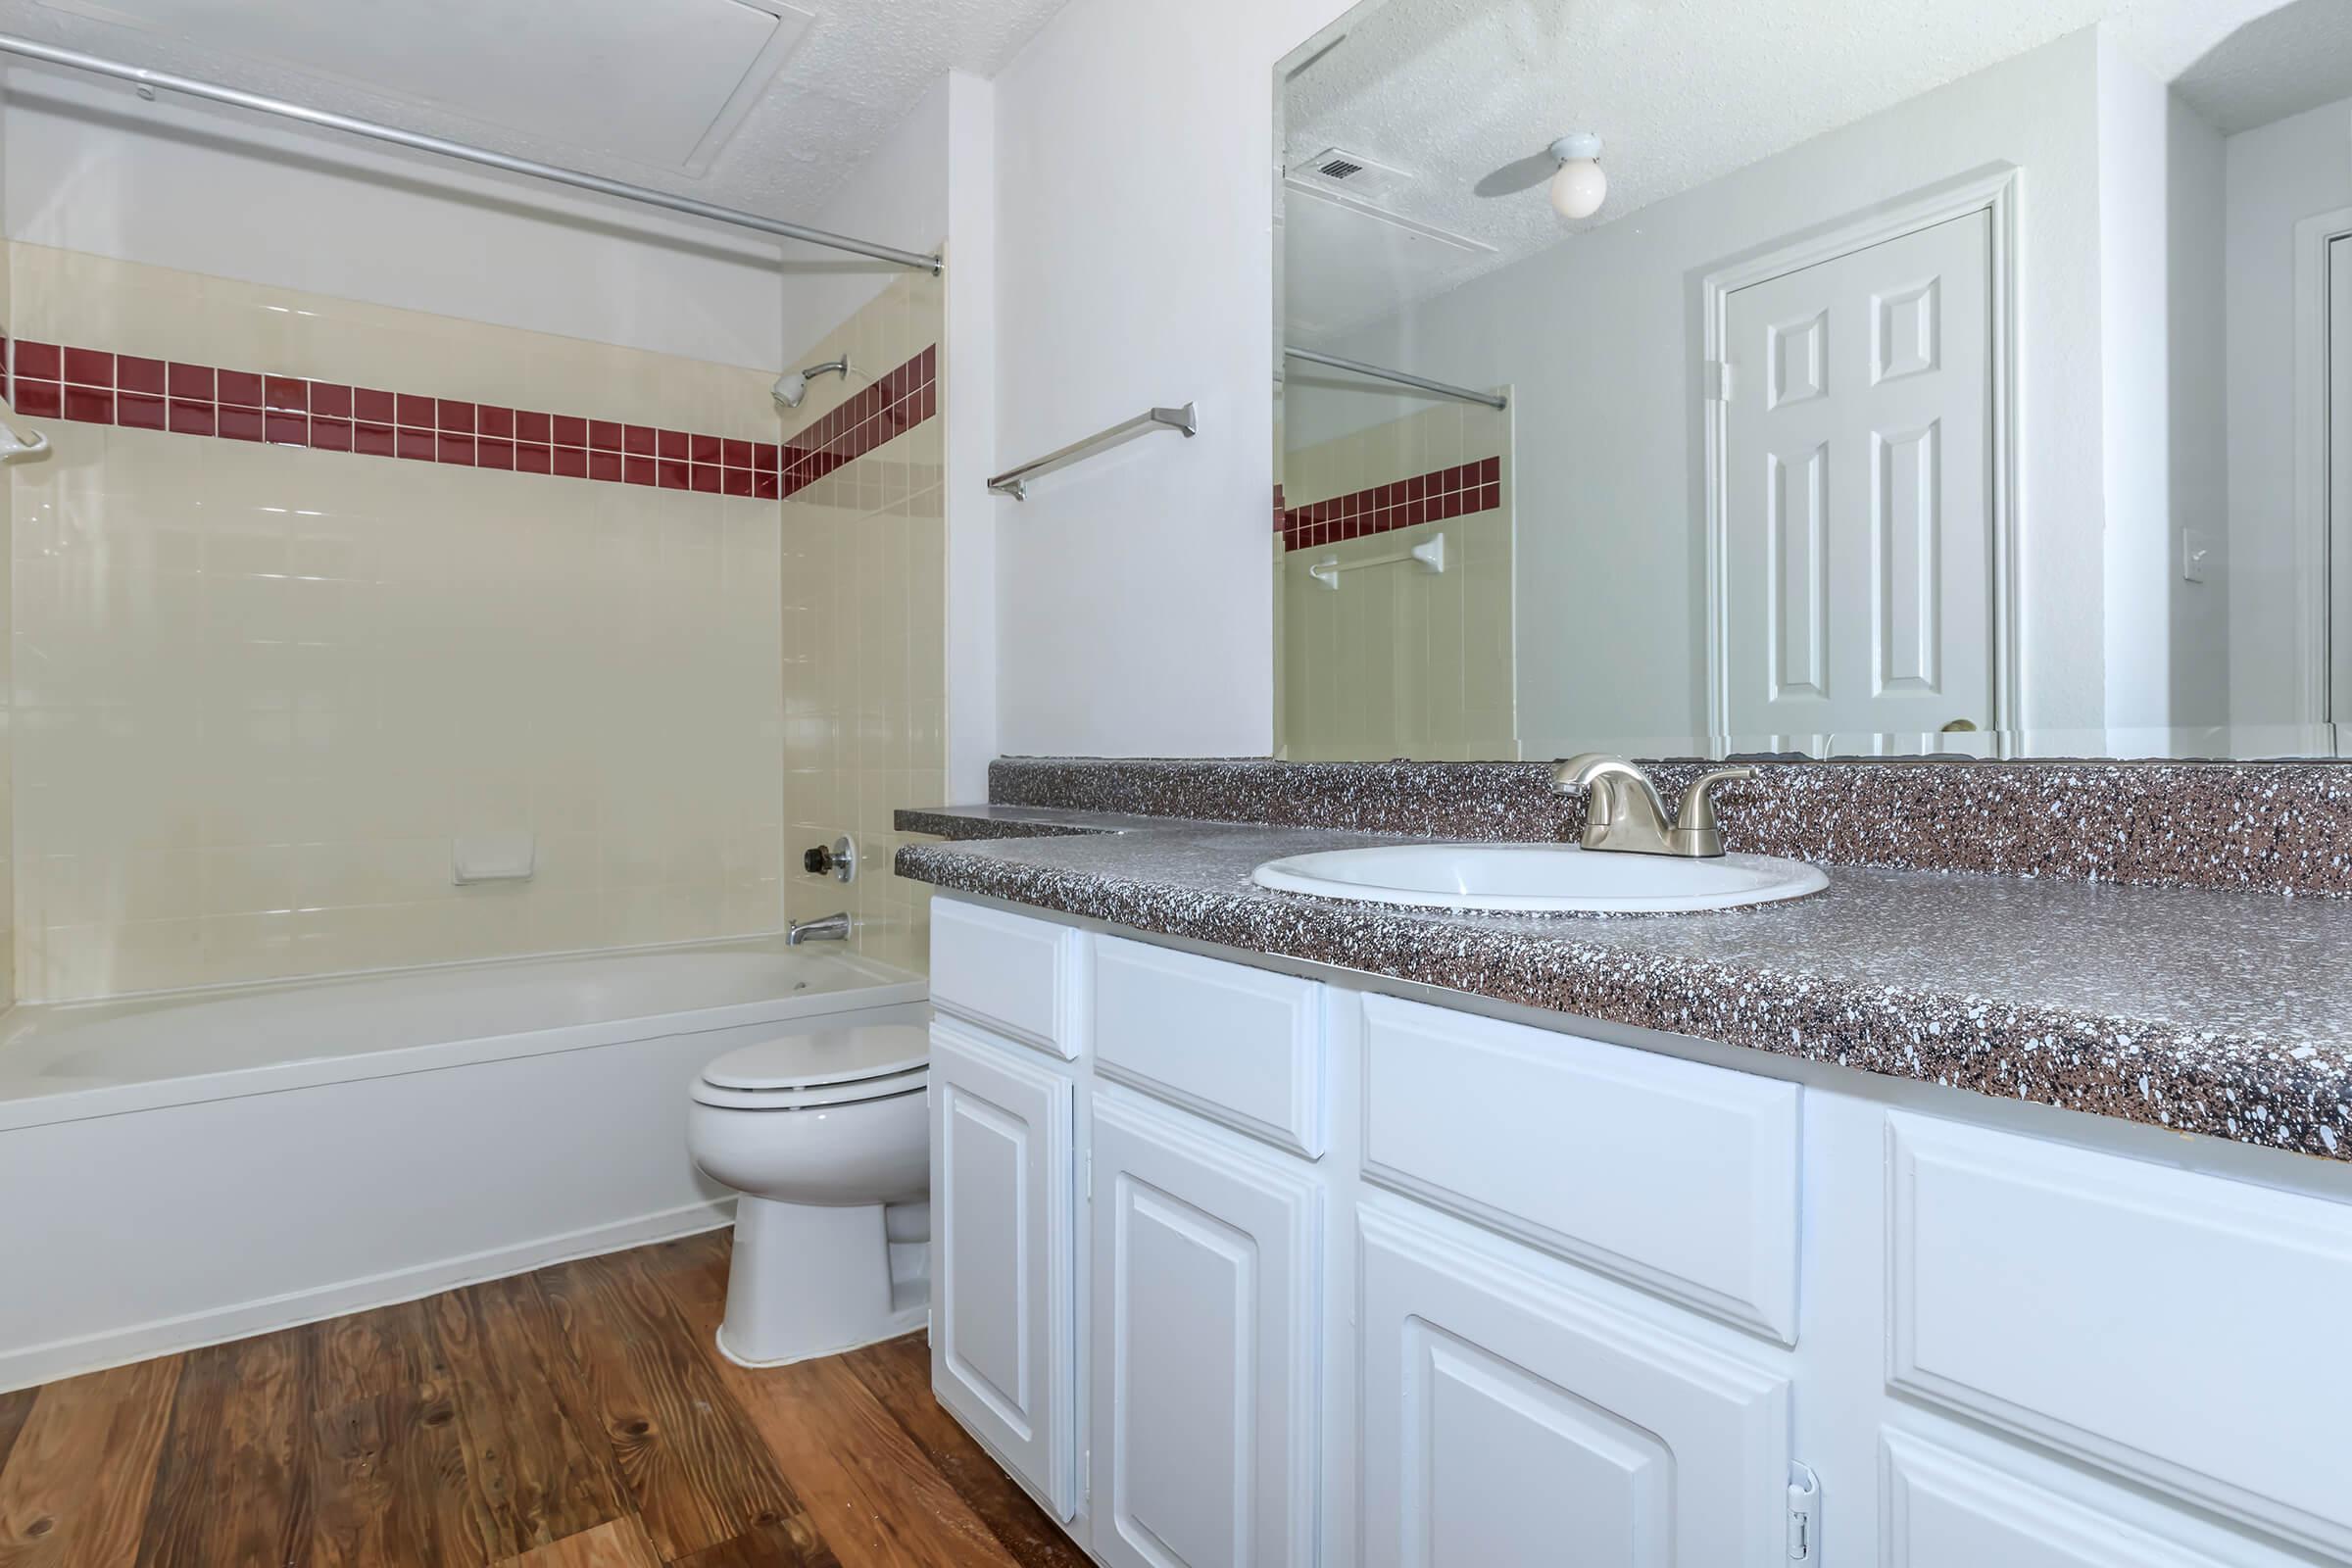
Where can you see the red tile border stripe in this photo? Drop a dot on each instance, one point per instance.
(1430, 497)
(882, 410)
(97, 386)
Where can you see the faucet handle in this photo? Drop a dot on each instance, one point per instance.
(1696, 832)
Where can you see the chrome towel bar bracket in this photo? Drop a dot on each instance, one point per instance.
(1014, 482)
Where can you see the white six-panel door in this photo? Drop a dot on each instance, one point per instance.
(1205, 1346)
(1509, 1420)
(1858, 540)
(1004, 1348)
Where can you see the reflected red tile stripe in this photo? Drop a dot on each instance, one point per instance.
(1432, 497)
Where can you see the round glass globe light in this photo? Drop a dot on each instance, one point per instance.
(1579, 188)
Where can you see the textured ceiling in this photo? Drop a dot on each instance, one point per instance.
(2297, 58)
(1463, 96)
(862, 67)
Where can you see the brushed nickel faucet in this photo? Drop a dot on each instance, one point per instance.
(1624, 811)
(824, 928)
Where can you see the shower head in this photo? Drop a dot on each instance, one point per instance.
(790, 389)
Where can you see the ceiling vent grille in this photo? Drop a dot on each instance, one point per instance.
(1337, 169)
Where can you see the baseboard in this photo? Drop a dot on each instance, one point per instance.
(94, 1353)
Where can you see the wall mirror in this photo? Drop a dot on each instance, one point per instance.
(1862, 380)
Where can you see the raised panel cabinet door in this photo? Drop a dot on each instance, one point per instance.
(1205, 1293)
(1509, 1418)
(1004, 1352)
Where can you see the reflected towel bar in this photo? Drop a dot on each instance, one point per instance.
(1014, 482)
(1429, 556)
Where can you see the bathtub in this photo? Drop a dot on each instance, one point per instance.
(186, 1168)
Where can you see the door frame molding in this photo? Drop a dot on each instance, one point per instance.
(2314, 665)
(1993, 189)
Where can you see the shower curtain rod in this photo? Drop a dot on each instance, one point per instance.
(149, 82)
(1402, 378)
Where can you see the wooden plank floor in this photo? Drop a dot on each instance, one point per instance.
(578, 1417)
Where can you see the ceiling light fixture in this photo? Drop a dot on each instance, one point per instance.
(1579, 187)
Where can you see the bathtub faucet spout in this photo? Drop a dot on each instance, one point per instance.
(824, 928)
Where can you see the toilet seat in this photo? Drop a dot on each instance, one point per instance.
(832, 1067)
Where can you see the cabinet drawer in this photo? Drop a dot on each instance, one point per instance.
(1017, 975)
(2181, 1329)
(1236, 1045)
(1675, 1176)
(1939, 1507)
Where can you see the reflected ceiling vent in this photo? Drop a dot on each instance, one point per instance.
(1336, 169)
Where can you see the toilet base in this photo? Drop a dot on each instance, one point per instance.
(807, 1280)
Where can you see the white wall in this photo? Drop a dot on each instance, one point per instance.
(2162, 425)
(932, 183)
(1606, 416)
(968, 394)
(2278, 175)
(897, 196)
(206, 189)
(1135, 194)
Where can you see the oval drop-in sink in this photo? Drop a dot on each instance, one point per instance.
(1540, 878)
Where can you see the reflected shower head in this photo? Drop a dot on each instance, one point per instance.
(790, 389)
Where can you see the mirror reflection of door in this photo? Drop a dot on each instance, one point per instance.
(1857, 520)
(2339, 484)
(2056, 443)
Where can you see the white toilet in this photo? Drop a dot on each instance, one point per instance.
(826, 1136)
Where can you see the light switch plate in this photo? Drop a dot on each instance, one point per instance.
(2196, 554)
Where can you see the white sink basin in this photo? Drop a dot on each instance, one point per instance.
(1540, 878)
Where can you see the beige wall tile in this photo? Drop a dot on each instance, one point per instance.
(863, 649)
(256, 692)
(1396, 662)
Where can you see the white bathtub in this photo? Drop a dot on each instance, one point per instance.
(183, 1169)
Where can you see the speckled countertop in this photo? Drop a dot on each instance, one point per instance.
(2203, 1011)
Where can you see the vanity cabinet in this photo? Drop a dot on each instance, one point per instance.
(1238, 1266)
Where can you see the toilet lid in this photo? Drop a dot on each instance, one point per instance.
(855, 1092)
(827, 1058)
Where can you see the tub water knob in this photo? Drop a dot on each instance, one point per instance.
(838, 860)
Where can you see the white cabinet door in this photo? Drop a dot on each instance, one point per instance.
(1003, 1356)
(1509, 1418)
(1205, 1346)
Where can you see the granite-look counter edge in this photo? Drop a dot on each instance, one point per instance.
(2196, 1011)
(959, 823)
(2275, 827)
